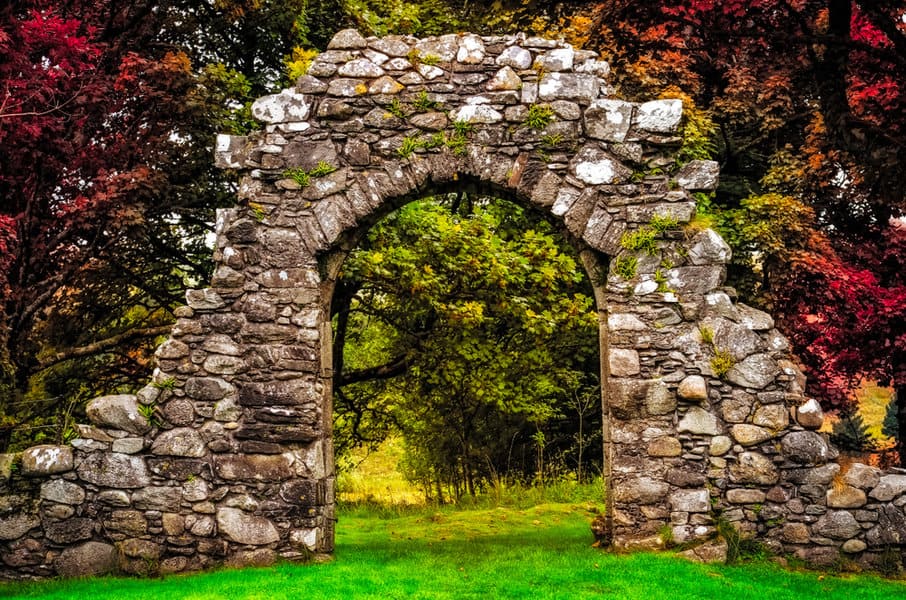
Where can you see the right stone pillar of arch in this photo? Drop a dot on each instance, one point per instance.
(706, 418)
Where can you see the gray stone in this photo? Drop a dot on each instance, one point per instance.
(432, 121)
(853, 546)
(756, 371)
(862, 476)
(109, 469)
(889, 487)
(129, 445)
(505, 79)
(660, 116)
(347, 39)
(754, 319)
(806, 448)
(643, 490)
(773, 416)
(720, 445)
(845, 496)
(707, 247)
(516, 57)
(157, 498)
(114, 498)
(699, 421)
(119, 412)
(693, 388)
(608, 120)
(182, 441)
(86, 560)
(46, 459)
(750, 435)
(738, 407)
(361, 68)
(594, 166)
(810, 415)
(254, 467)
(691, 501)
(243, 528)
(580, 87)
(476, 113)
(559, 59)
(172, 350)
(659, 400)
(208, 388)
(623, 362)
(62, 491)
(17, 525)
(697, 175)
(129, 522)
(837, 525)
(754, 468)
(179, 412)
(471, 50)
(665, 447)
(745, 496)
(795, 533)
(288, 105)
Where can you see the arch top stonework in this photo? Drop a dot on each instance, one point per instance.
(704, 409)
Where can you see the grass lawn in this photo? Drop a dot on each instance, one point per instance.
(538, 552)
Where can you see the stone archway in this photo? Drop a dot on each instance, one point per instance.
(704, 411)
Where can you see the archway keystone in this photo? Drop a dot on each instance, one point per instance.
(226, 456)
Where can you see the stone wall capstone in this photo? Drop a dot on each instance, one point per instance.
(226, 457)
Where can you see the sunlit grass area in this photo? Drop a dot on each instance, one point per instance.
(539, 552)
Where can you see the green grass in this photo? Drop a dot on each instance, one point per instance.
(539, 552)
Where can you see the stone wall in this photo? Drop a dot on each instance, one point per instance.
(226, 456)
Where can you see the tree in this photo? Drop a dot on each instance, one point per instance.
(806, 101)
(469, 333)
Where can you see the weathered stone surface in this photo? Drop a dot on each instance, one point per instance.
(288, 105)
(660, 116)
(720, 445)
(754, 468)
(853, 546)
(516, 57)
(252, 467)
(659, 400)
(623, 362)
(129, 445)
(806, 448)
(594, 166)
(62, 491)
(745, 496)
(889, 487)
(665, 446)
(85, 560)
(243, 528)
(114, 470)
(157, 498)
(182, 441)
(347, 39)
(699, 175)
(17, 525)
(208, 388)
(608, 120)
(708, 248)
(773, 416)
(862, 476)
(693, 389)
(750, 435)
(691, 501)
(642, 490)
(130, 522)
(846, 496)
(476, 113)
(580, 87)
(756, 371)
(810, 415)
(46, 459)
(361, 68)
(738, 407)
(837, 525)
(697, 420)
(119, 412)
(505, 79)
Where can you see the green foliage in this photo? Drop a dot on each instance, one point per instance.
(851, 433)
(494, 323)
(165, 384)
(625, 266)
(739, 547)
(539, 116)
(423, 103)
(661, 224)
(552, 140)
(408, 146)
(150, 413)
(643, 239)
(298, 63)
(891, 427)
(661, 280)
(462, 128)
(699, 133)
(299, 175)
(722, 362)
(707, 334)
(396, 109)
(322, 169)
